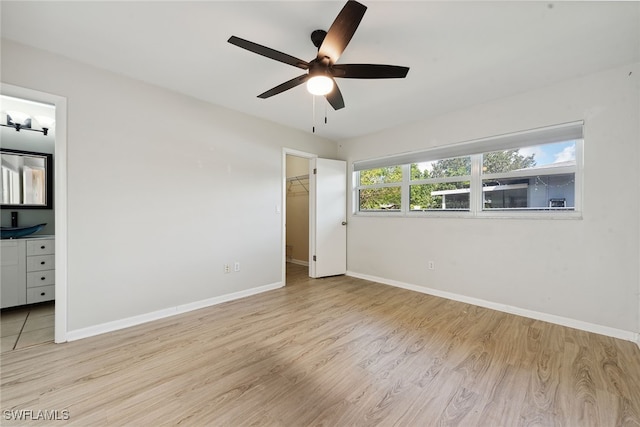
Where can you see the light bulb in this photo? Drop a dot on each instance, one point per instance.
(45, 122)
(319, 85)
(18, 117)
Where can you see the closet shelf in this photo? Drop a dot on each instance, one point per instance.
(298, 185)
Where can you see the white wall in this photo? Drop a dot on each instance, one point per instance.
(584, 270)
(163, 190)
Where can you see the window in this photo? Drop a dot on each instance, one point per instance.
(540, 178)
(380, 189)
(440, 185)
(534, 172)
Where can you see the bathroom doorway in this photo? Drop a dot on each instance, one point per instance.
(28, 146)
(36, 106)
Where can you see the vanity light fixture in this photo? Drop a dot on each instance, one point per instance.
(21, 121)
(45, 123)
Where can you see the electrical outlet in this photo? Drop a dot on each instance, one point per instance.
(432, 265)
(236, 266)
(227, 268)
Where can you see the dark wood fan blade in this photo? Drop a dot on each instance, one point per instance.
(341, 31)
(268, 52)
(369, 71)
(335, 97)
(285, 86)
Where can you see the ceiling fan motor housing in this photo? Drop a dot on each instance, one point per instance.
(319, 68)
(317, 37)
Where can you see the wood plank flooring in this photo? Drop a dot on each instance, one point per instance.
(330, 352)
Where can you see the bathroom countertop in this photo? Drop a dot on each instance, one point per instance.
(33, 236)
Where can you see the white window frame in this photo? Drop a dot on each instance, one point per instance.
(400, 184)
(565, 170)
(475, 149)
(441, 180)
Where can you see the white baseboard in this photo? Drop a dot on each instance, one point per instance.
(297, 261)
(167, 312)
(551, 318)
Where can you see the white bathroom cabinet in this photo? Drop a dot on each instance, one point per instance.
(28, 270)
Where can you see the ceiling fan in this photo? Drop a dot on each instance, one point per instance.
(322, 70)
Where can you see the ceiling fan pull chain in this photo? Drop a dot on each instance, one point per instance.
(313, 112)
(325, 113)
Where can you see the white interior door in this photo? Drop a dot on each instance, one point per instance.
(327, 217)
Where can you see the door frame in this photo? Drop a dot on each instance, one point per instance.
(60, 197)
(283, 207)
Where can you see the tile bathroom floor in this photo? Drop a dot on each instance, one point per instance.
(26, 326)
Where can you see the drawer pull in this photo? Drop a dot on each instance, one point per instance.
(42, 247)
(42, 262)
(42, 293)
(42, 278)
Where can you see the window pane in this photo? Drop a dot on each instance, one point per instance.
(457, 166)
(538, 192)
(452, 196)
(378, 199)
(548, 155)
(381, 175)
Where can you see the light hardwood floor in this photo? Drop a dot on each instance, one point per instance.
(334, 352)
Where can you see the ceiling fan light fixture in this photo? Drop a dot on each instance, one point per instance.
(320, 85)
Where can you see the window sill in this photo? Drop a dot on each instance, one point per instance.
(481, 215)
(531, 215)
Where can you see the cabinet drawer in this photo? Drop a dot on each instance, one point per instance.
(40, 294)
(40, 247)
(41, 278)
(40, 262)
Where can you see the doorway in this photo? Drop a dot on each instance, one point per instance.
(28, 144)
(324, 211)
(297, 211)
(59, 213)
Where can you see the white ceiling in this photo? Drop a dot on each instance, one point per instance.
(460, 53)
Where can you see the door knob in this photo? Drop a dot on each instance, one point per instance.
(344, 222)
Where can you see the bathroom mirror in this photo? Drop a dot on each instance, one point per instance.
(27, 179)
